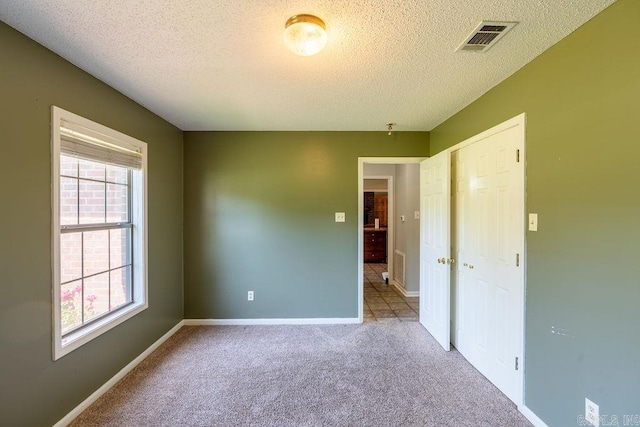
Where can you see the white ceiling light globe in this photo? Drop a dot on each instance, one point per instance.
(305, 35)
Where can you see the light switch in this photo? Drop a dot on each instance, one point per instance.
(340, 217)
(416, 215)
(402, 218)
(533, 222)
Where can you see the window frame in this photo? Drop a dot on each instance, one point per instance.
(64, 344)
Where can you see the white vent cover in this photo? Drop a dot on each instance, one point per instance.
(399, 268)
(486, 34)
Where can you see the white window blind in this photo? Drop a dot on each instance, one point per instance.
(77, 141)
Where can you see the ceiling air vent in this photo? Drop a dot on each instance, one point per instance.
(486, 34)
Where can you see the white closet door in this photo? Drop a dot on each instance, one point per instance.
(463, 245)
(488, 247)
(435, 211)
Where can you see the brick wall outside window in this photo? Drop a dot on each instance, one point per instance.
(95, 268)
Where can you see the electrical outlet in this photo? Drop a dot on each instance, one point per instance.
(591, 412)
(250, 296)
(340, 217)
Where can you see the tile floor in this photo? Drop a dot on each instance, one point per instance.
(383, 302)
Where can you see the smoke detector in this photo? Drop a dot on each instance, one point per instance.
(486, 34)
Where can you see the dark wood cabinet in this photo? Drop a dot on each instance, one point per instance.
(376, 205)
(375, 245)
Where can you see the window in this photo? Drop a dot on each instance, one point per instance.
(99, 229)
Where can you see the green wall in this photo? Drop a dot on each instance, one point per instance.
(582, 100)
(259, 215)
(34, 390)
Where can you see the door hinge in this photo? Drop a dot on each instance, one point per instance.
(518, 156)
(516, 363)
(517, 260)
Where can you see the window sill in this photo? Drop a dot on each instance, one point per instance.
(78, 338)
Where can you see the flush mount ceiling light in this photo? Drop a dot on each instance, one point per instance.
(305, 35)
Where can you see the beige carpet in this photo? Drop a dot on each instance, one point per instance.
(374, 374)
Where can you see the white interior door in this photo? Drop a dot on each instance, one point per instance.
(435, 211)
(463, 245)
(489, 246)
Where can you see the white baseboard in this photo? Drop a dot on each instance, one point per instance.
(302, 321)
(535, 420)
(405, 292)
(117, 377)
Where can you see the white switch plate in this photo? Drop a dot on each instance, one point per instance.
(416, 215)
(533, 222)
(591, 412)
(402, 218)
(250, 296)
(340, 217)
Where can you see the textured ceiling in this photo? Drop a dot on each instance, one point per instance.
(222, 65)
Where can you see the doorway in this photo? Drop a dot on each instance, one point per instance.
(385, 296)
(384, 168)
(378, 210)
